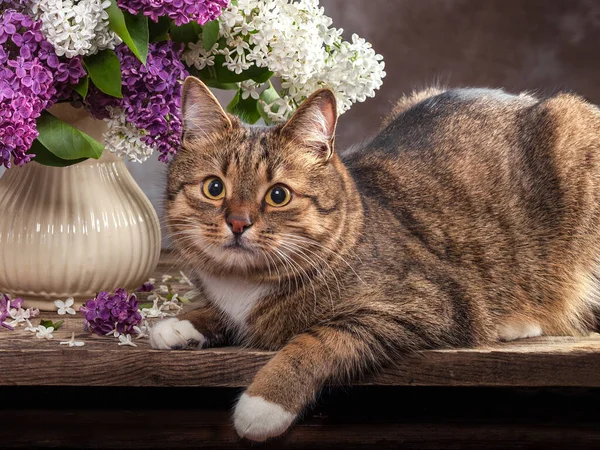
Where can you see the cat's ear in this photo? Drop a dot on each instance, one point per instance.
(313, 124)
(201, 112)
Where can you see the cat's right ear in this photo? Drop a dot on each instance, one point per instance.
(313, 125)
(201, 112)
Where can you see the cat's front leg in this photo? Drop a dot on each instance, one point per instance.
(344, 347)
(200, 328)
(292, 379)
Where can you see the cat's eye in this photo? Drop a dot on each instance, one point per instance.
(213, 188)
(278, 196)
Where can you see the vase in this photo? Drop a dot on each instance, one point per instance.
(74, 231)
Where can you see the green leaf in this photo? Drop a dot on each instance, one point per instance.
(48, 323)
(159, 31)
(210, 34)
(234, 101)
(263, 78)
(132, 29)
(45, 158)
(83, 86)
(66, 141)
(208, 78)
(189, 32)
(104, 68)
(146, 305)
(247, 109)
(224, 75)
(268, 96)
(211, 82)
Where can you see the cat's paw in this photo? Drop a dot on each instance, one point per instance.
(257, 419)
(175, 334)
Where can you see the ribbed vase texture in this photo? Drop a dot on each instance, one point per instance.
(74, 231)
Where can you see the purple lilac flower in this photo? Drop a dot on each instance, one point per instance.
(32, 78)
(180, 11)
(6, 304)
(151, 95)
(146, 287)
(108, 312)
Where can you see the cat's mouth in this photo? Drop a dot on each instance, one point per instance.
(237, 244)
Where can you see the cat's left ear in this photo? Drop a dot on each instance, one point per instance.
(313, 125)
(201, 112)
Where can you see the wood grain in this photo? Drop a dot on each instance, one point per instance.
(381, 418)
(25, 360)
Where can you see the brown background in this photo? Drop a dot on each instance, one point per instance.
(537, 45)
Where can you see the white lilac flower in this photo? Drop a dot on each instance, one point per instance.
(171, 305)
(113, 333)
(20, 315)
(65, 307)
(250, 89)
(30, 327)
(188, 296)
(296, 41)
(124, 139)
(154, 311)
(142, 331)
(198, 57)
(75, 27)
(185, 279)
(72, 342)
(166, 278)
(125, 339)
(43, 332)
(163, 289)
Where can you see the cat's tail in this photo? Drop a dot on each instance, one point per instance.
(410, 100)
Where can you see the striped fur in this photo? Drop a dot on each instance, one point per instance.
(473, 216)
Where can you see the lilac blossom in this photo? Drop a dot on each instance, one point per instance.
(32, 78)
(109, 313)
(146, 287)
(151, 96)
(180, 11)
(5, 305)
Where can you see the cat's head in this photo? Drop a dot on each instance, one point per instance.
(256, 201)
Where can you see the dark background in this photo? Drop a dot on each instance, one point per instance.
(536, 45)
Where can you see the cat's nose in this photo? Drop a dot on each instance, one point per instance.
(238, 223)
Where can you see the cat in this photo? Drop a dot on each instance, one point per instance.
(472, 217)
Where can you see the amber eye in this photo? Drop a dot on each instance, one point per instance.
(213, 188)
(278, 196)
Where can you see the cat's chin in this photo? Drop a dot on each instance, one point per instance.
(237, 247)
(235, 258)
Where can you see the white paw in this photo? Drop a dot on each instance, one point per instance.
(175, 334)
(257, 419)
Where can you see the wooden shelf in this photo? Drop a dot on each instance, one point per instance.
(25, 360)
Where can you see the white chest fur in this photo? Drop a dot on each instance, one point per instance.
(234, 296)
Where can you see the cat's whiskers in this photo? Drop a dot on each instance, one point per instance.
(269, 260)
(301, 275)
(299, 252)
(331, 251)
(285, 266)
(306, 278)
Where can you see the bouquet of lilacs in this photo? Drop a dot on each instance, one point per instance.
(124, 60)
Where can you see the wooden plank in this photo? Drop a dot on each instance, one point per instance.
(212, 430)
(539, 362)
(25, 360)
(382, 418)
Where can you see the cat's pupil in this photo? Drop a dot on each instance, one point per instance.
(278, 196)
(215, 188)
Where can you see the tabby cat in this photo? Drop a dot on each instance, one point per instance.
(472, 217)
